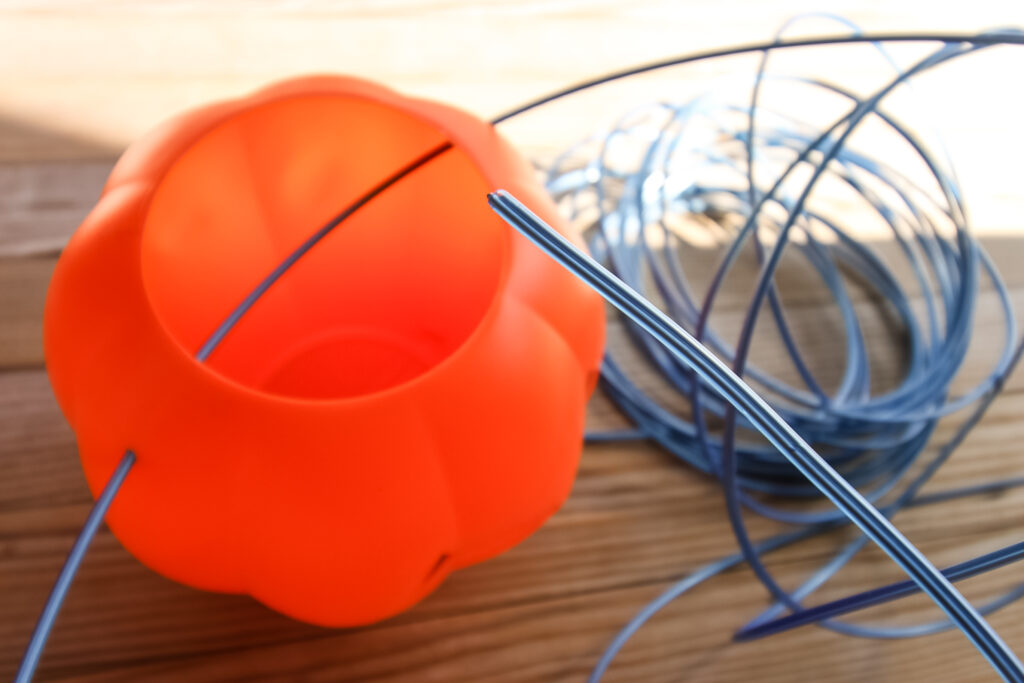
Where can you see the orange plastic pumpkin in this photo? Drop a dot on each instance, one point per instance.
(407, 400)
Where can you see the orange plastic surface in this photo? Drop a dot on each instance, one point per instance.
(407, 400)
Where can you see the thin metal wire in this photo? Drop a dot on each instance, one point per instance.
(41, 633)
(878, 596)
(1001, 37)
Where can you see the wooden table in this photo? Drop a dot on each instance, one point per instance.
(79, 80)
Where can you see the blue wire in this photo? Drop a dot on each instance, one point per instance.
(41, 633)
(878, 596)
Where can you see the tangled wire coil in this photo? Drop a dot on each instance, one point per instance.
(666, 167)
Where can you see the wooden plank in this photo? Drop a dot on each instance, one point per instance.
(23, 284)
(511, 645)
(41, 203)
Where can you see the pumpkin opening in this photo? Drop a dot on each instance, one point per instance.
(387, 296)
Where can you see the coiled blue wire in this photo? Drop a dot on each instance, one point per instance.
(872, 440)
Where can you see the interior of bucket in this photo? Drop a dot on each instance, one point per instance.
(385, 297)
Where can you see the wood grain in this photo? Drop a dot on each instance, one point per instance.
(81, 79)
